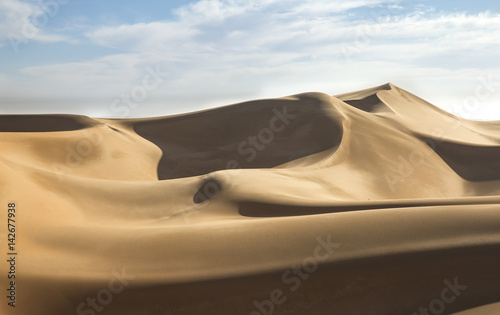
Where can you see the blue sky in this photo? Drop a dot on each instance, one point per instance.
(110, 58)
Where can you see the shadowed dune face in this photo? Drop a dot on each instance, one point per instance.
(367, 100)
(259, 134)
(263, 210)
(474, 163)
(308, 204)
(208, 190)
(42, 123)
(367, 104)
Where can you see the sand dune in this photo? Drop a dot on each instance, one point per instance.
(371, 202)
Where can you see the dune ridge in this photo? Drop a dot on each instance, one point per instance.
(210, 212)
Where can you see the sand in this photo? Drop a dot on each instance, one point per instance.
(371, 202)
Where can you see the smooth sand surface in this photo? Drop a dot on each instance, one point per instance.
(371, 202)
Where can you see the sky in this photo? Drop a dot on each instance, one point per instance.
(124, 58)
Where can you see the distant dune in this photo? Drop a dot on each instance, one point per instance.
(371, 202)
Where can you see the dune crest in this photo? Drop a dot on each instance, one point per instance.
(369, 202)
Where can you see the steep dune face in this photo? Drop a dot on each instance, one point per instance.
(258, 134)
(371, 202)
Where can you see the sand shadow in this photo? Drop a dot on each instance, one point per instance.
(256, 134)
(367, 104)
(42, 123)
(473, 163)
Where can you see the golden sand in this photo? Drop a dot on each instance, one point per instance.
(372, 202)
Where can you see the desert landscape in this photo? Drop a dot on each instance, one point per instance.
(371, 202)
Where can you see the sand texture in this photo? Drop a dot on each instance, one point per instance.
(371, 202)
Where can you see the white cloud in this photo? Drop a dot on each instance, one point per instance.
(207, 22)
(211, 11)
(155, 36)
(107, 67)
(23, 21)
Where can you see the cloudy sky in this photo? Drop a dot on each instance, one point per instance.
(125, 58)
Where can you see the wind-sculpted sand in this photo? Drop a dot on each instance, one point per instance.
(372, 202)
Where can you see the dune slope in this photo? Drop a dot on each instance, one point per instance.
(371, 202)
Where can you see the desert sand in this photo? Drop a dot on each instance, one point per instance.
(371, 202)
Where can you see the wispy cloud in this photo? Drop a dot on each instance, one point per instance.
(142, 36)
(21, 21)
